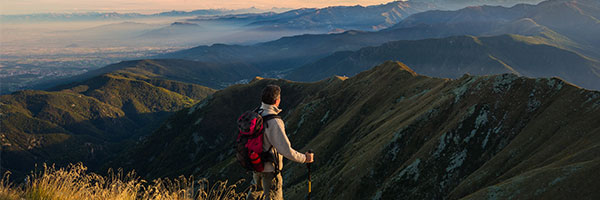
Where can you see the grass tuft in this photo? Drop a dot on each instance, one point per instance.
(6, 189)
(74, 182)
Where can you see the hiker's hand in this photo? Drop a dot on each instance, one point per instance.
(309, 157)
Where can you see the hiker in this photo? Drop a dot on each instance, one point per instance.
(276, 141)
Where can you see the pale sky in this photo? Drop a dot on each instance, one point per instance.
(8, 7)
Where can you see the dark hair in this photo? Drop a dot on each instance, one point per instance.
(270, 94)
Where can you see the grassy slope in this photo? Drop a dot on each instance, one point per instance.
(85, 121)
(389, 133)
(211, 75)
(75, 182)
(206, 74)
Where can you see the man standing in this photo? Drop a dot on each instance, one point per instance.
(270, 180)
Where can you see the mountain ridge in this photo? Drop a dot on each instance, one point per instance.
(336, 18)
(584, 12)
(454, 56)
(117, 16)
(388, 133)
(213, 75)
(89, 121)
(292, 52)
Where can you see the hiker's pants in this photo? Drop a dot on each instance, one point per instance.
(268, 186)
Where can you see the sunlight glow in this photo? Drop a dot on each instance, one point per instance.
(9, 7)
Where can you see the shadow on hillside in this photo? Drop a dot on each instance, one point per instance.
(92, 142)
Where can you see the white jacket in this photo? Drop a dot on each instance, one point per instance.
(275, 136)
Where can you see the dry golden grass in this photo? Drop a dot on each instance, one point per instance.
(74, 182)
(6, 190)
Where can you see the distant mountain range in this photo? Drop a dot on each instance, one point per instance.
(389, 133)
(273, 16)
(88, 121)
(529, 21)
(251, 28)
(313, 56)
(112, 31)
(93, 16)
(173, 32)
(458, 4)
(454, 56)
(316, 56)
(577, 20)
(330, 19)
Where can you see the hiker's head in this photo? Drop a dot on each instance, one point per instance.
(271, 95)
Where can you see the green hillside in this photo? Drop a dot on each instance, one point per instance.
(213, 75)
(389, 133)
(452, 57)
(89, 121)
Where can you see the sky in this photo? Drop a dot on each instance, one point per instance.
(10, 7)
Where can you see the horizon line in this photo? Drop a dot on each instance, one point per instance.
(151, 11)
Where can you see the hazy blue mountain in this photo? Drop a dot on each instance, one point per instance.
(331, 19)
(279, 55)
(94, 16)
(291, 52)
(276, 58)
(458, 4)
(454, 56)
(174, 31)
(575, 19)
(339, 18)
(112, 31)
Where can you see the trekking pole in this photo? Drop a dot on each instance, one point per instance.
(309, 181)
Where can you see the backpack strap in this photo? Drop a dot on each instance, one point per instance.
(259, 110)
(269, 117)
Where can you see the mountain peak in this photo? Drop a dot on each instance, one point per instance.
(336, 77)
(258, 78)
(389, 66)
(183, 24)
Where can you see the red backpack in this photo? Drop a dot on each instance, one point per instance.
(249, 143)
